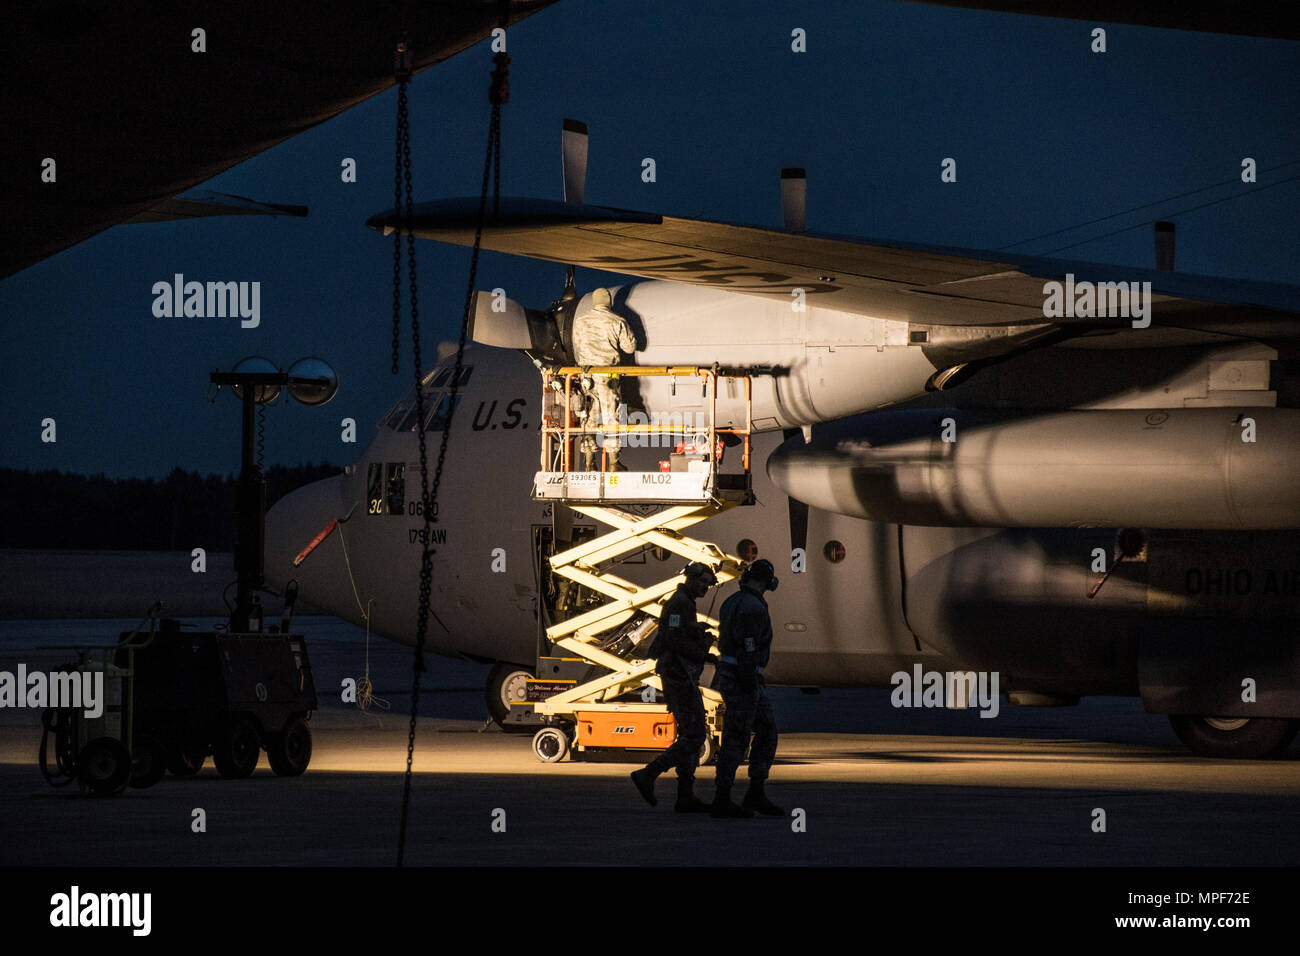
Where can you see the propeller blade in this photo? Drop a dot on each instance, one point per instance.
(798, 512)
(573, 158)
(794, 198)
(573, 148)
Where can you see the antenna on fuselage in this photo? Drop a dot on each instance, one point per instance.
(1164, 237)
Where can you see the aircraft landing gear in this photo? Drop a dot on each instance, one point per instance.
(508, 682)
(1242, 738)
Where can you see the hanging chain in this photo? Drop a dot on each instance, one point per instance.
(402, 207)
(261, 432)
(401, 154)
(499, 95)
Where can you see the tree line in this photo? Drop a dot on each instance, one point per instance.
(54, 509)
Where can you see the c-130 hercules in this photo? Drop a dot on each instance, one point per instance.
(1081, 504)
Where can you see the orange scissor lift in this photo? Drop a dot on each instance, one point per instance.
(621, 707)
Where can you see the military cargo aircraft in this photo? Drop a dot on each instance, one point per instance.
(1079, 477)
(950, 438)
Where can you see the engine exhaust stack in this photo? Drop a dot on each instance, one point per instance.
(1164, 235)
(794, 198)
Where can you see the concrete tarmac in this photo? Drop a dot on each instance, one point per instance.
(877, 786)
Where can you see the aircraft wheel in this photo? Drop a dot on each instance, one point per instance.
(148, 763)
(290, 750)
(237, 748)
(709, 750)
(551, 744)
(507, 682)
(103, 767)
(1241, 738)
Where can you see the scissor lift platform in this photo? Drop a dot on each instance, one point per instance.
(699, 479)
(604, 713)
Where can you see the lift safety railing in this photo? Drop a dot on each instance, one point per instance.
(563, 425)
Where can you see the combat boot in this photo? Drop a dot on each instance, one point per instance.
(644, 780)
(687, 801)
(756, 799)
(724, 809)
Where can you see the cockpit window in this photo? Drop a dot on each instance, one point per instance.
(442, 377)
(395, 488)
(375, 488)
(402, 416)
(438, 421)
(386, 488)
(408, 420)
(398, 413)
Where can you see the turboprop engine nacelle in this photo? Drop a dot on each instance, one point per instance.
(821, 364)
(1189, 468)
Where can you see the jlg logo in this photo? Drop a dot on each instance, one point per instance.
(624, 730)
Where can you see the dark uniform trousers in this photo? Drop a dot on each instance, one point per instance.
(683, 699)
(746, 712)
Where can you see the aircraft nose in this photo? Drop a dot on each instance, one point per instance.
(291, 526)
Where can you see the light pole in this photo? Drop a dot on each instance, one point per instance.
(256, 381)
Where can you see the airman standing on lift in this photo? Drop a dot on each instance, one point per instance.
(600, 337)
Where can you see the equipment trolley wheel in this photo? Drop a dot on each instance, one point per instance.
(148, 761)
(551, 744)
(185, 758)
(103, 767)
(237, 747)
(290, 750)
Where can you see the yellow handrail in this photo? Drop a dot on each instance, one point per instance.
(566, 431)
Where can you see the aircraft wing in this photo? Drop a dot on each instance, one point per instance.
(131, 114)
(924, 285)
(204, 203)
